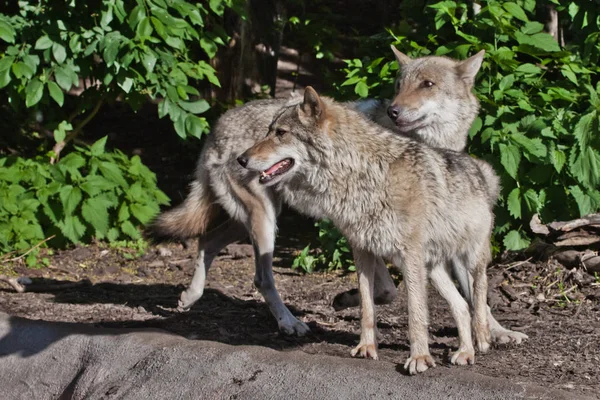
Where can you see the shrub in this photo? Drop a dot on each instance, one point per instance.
(59, 63)
(88, 193)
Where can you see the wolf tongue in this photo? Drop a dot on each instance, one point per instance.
(275, 167)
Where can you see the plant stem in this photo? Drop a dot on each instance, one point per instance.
(58, 147)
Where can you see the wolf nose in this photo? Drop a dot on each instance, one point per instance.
(243, 160)
(393, 112)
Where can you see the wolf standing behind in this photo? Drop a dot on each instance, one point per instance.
(392, 197)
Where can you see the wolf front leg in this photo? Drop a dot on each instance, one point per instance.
(414, 273)
(365, 266)
(262, 230)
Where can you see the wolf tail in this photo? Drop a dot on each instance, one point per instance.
(191, 219)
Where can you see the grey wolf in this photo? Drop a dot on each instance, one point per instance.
(393, 198)
(226, 203)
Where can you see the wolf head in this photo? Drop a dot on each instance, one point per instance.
(434, 100)
(292, 132)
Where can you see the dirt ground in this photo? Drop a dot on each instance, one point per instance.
(105, 287)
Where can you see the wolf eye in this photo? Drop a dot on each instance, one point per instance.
(427, 84)
(280, 132)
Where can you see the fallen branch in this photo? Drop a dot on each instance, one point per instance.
(30, 250)
(13, 282)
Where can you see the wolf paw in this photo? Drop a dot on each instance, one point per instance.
(419, 363)
(187, 299)
(293, 327)
(463, 357)
(365, 350)
(503, 336)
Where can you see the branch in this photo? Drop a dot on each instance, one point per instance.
(58, 147)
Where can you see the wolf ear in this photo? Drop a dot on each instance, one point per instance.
(312, 105)
(467, 70)
(402, 58)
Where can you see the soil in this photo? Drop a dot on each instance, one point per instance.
(105, 287)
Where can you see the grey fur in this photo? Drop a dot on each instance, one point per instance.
(392, 197)
(223, 189)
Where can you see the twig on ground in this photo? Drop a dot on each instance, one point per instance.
(13, 282)
(30, 250)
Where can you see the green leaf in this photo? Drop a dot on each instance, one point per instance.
(96, 214)
(149, 61)
(532, 201)
(96, 184)
(33, 92)
(584, 130)
(196, 107)
(98, 147)
(59, 52)
(532, 27)
(542, 41)
(515, 10)
(43, 43)
(209, 46)
(70, 197)
(144, 29)
(7, 32)
(7, 61)
(180, 126)
(21, 69)
(123, 213)
(112, 172)
(72, 228)
(585, 203)
(195, 125)
(56, 93)
(128, 229)
(514, 240)
(513, 203)
(558, 159)
(63, 77)
(361, 89)
(510, 157)
(4, 78)
(528, 69)
(143, 213)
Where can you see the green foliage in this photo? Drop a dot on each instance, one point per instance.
(539, 120)
(89, 193)
(108, 50)
(334, 251)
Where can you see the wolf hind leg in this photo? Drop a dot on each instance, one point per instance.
(481, 326)
(441, 280)
(209, 246)
(499, 334)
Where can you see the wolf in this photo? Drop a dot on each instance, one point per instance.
(394, 198)
(440, 116)
(226, 203)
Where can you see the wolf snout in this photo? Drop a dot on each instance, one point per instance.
(243, 160)
(393, 112)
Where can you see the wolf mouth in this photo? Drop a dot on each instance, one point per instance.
(405, 125)
(275, 170)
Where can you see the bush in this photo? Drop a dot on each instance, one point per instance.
(88, 193)
(539, 120)
(59, 63)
